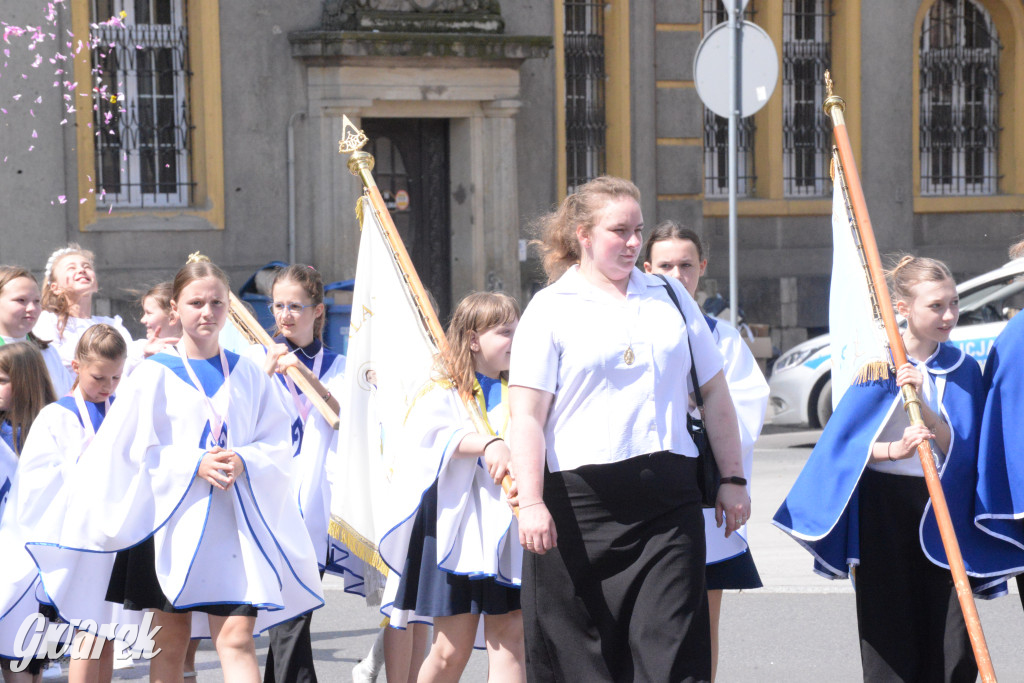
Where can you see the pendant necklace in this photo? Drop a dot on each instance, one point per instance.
(628, 356)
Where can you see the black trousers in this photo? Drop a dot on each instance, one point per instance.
(290, 655)
(909, 619)
(622, 596)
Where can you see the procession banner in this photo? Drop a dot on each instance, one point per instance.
(390, 359)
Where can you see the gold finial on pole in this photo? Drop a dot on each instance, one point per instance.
(352, 138)
(834, 105)
(352, 142)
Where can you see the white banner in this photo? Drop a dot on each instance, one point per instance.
(389, 361)
(854, 335)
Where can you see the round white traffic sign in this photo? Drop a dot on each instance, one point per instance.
(759, 70)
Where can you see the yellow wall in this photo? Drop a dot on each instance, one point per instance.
(207, 162)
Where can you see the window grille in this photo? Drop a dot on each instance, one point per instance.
(716, 130)
(959, 125)
(584, 91)
(141, 118)
(806, 54)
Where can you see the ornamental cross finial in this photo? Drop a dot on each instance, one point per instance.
(828, 84)
(352, 139)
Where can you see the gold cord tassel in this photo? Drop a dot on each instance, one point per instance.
(873, 371)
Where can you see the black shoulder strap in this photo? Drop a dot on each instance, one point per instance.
(697, 398)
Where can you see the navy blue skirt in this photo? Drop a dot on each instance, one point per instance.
(736, 573)
(431, 591)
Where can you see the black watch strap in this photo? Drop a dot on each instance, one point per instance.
(739, 481)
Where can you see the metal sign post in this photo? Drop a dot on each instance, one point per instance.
(753, 70)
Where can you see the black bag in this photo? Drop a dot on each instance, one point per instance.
(708, 476)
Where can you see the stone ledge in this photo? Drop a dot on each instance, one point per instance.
(332, 45)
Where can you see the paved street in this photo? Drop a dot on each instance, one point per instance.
(800, 627)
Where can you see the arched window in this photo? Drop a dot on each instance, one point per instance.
(959, 134)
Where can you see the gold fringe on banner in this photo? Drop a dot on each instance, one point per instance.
(360, 546)
(873, 371)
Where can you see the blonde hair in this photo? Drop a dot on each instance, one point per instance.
(101, 342)
(478, 313)
(1017, 249)
(559, 247)
(31, 388)
(58, 302)
(910, 270)
(197, 271)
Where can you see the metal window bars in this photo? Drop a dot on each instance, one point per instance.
(959, 98)
(585, 124)
(806, 138)
(716, 130)
(142, 118)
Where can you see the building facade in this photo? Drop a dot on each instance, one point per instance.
(213, 126)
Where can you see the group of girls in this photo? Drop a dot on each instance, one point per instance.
(861, 504)
(163, 497)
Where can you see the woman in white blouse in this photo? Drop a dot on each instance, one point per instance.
(613, 588)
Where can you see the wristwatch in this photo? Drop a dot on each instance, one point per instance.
(739, 481)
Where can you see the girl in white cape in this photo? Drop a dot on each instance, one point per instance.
(61, 433)
(299, 311)
(449, 550)
(24, 391)
(677, 251)
(183, 483)
(69, 284)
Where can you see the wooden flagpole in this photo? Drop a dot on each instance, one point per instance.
(360, 163)
(834, 107)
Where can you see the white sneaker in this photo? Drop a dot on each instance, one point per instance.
(52, 670)
(363, 672)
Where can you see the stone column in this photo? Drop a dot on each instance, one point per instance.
(500, 197)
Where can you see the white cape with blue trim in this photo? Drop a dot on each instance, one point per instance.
(749, 392)
(18, 576)
(38, 506)
(243, 545)
(314, 449)
(477, 535)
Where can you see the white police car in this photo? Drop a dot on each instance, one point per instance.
(801, 381)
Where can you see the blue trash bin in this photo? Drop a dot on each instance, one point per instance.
(339, 315)
(255, 292)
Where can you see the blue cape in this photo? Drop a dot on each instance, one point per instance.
(999, 509)
(821, 510)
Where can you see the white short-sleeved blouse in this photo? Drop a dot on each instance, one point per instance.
(572, 341)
